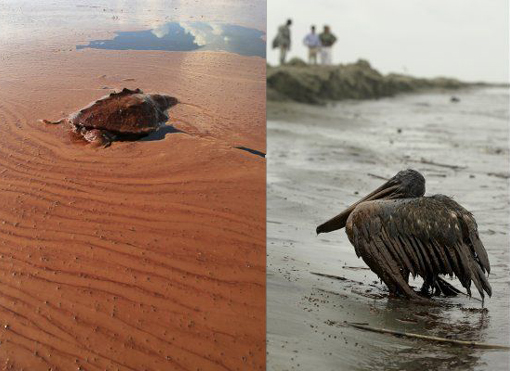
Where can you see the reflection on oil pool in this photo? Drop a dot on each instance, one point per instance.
(189, 36)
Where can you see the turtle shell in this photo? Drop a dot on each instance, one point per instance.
(125, 112)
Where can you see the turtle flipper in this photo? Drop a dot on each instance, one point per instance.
(99, 138)
(52, 122)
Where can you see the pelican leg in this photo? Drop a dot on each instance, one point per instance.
(437, 286)
(425, 288)
(430, 287)
(403, 288)
(375, 255)
(436, 289)
(446, 288)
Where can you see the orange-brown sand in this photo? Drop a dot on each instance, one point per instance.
(147, 255)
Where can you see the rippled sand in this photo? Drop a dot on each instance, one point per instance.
(323, 159)
(145, 255)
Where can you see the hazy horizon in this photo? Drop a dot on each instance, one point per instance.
(466, 39)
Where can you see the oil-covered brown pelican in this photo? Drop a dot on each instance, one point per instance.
(397, 231)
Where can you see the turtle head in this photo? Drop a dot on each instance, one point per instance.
(164, 101)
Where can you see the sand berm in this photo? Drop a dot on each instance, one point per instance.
(300, 82)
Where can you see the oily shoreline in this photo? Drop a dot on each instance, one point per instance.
(323, 159)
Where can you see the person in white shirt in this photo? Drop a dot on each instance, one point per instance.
(313, 43)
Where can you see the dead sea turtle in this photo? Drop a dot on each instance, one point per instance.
(129, 114)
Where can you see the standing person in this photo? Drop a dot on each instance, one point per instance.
(327, 41)
(282, 40)
(313, 43)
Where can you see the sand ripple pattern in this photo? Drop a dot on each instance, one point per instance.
(143, 256)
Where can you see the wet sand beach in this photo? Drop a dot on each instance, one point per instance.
(322, 159)
(146, 255)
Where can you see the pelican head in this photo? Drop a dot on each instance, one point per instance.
(405, 184)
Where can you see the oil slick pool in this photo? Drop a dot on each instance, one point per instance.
(189, 36)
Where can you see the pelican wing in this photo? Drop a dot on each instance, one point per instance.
(425, 236)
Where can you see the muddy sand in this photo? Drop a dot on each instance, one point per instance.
(147, 255)
(322, 159)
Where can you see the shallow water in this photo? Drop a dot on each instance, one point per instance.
(321, 160)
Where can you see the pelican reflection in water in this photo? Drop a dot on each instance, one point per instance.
(398, 231)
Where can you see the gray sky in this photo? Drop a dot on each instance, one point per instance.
(467, 39)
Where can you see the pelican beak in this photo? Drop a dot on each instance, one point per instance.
(387, 191)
